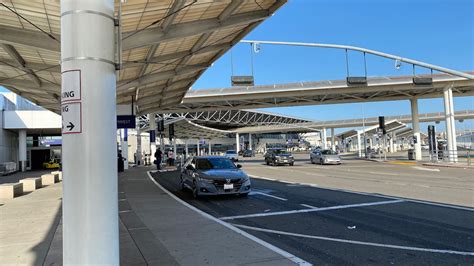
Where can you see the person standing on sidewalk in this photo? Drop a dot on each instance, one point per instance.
(158, 157)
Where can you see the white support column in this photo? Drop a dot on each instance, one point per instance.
(394, 138)
(416, 128)
(324, 138)
(138, 152)
(125, 148)
(210, 148)
(198, 148)
(391, 143)
(152, 125)
(89, 153)
(186, 147)
(250, 141)
(237, 142)
(359, 146)
(333, 140)
(450, 125)
(22, 150)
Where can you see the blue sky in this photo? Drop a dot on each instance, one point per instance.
(440, 32)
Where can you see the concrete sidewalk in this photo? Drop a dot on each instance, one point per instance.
(155, 229)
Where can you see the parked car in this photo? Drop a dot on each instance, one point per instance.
(279, 157)
(214, 175)
(248, 153)
(324, 157)
(232, 154)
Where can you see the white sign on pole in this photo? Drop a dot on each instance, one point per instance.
(71, 86)
(71, 118)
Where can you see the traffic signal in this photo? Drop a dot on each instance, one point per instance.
(161, 125)
(382, 124)
(171, 131)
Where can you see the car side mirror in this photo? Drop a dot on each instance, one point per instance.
(189, 167)
(239, 166)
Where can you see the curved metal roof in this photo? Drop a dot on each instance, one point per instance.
(167, 45)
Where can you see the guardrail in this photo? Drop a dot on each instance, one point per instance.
(452, 156)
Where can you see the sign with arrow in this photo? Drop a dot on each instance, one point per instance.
(71, 118)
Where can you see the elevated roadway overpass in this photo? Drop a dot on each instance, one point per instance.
(318, 93)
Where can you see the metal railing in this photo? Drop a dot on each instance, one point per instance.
(452, 156)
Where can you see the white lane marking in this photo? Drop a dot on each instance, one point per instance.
(425, 169)
(311, 210)
(273, 248)
(125, 211)
(122, 200)
(308, 206)
(443, 251)
(266, 195)
(382, 173)
(371, 194)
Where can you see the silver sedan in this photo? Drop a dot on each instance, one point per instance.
(324, 157)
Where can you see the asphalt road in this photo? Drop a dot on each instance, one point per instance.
(327, 226)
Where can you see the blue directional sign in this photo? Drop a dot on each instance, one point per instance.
(126, 121)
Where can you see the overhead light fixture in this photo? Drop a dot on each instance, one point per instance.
(398, 64)
(256, 47)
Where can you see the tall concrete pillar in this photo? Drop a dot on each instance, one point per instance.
(22, 150)
(89, 149)
(359, 146)
(333, 140)
(450, 125)
(210, 147)
(186, 151)
(138, 153)
(152, 125)
(250, 141)
(324, 138)
(416, 128)
(237, 142)
(198, 151)
(125, 148)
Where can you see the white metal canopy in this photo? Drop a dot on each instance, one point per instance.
(167, 45)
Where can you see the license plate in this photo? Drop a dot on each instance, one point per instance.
(228, 186)
(285, 161)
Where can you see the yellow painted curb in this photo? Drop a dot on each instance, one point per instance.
(403, 163)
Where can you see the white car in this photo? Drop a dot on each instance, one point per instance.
(232, 154)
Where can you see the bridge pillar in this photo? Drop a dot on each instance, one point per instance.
(324, 138)
(416, 128)
(450, 125)
(186, 151)
(359, 146)
(210, 147)
(333, 140)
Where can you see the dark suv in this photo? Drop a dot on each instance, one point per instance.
(279, 157)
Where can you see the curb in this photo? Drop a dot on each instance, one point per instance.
(449, 165)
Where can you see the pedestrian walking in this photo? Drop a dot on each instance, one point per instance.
(158, 157)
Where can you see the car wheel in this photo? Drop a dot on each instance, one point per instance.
(291, 164)
(274, 163)
(321, 162)
(267, 162)
(195, 190)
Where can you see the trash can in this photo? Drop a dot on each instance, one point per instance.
(411, 154)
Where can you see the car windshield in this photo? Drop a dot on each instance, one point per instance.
(215, 163)
(281, 152)
(328, 152)
(231, 152)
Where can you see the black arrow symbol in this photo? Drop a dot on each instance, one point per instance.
(70, 126)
